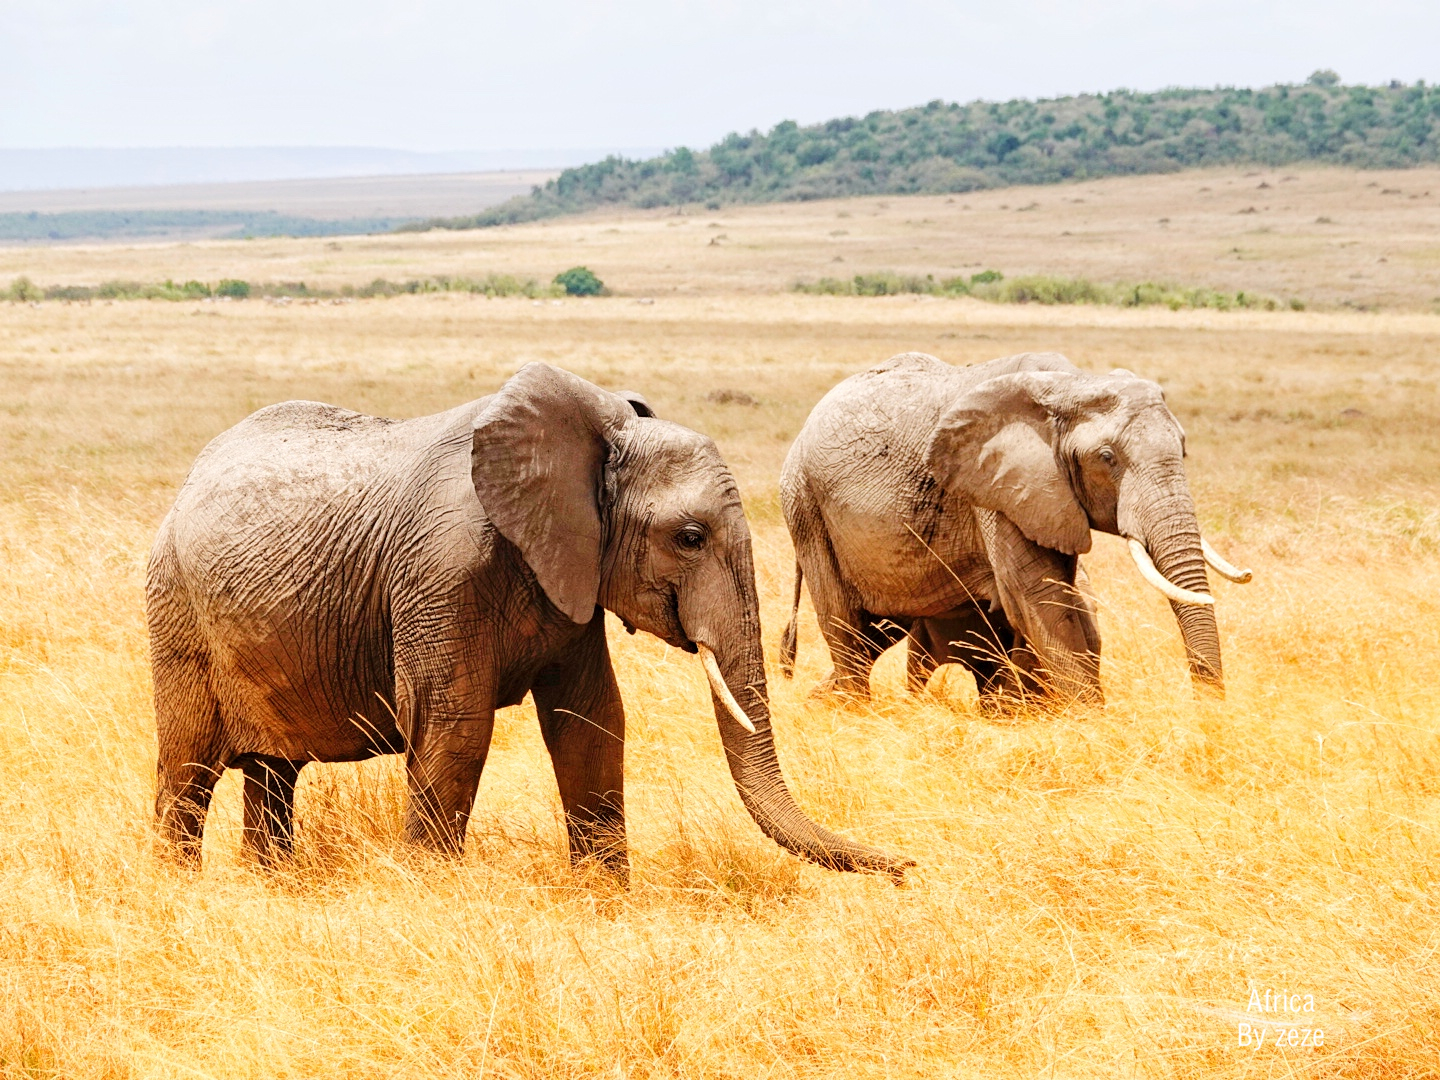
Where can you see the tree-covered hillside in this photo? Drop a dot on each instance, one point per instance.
(943, 147)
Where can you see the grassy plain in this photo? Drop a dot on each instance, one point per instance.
(1327, 237)
(1097, 893)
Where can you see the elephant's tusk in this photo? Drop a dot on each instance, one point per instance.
(722, 691)
(1151, 574)
(1221, 567)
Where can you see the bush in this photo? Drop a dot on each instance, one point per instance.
(827, 286)
(579, 281)
(23, 290)
(297, 289)
(993, 286)
(69, 292)
(1037, 289)
(235, 290)
(887, 283)
(881, 283)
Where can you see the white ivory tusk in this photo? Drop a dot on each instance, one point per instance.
(1221, 567)
(722, 691)
(1151, 574)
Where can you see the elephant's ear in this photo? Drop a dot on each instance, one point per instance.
(537, 460)
(637, 402)
(995, 446)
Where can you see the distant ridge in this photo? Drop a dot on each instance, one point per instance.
(89, 167)
(28, 228)
(943, 147)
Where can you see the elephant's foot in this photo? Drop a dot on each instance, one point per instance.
(604, 867)
(180, 814)
(841, 689)
(181, 854)
(598, 846)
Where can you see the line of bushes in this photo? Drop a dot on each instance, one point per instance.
(577, 281)
(993, 286)
(22, 290)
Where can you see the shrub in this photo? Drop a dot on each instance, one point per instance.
(235, 290)
(827, 286)
(69, 292)
(1038, 289)
(23, 290)
(297, 289)
(118, 290)
(993, 286)
(579, 281)
(887, 283)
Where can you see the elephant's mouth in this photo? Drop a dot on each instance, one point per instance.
(678, 638)
(676, 634)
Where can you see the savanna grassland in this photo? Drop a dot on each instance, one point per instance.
(1329, 238)
(1096, 893)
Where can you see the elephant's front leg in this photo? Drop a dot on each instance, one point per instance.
(443, 766)
(446, 715)
(583, 721)
(1055, 618)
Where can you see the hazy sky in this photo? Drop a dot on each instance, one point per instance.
(473, 74)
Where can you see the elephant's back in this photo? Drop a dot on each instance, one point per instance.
(290, 463)
(865, 439)
(858, 469)
(303, 460)
(879, 422)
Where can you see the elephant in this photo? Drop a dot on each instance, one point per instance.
(950, 506)
(330, 586)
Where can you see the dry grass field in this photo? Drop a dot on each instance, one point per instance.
(1327, 237)
(1097, 893)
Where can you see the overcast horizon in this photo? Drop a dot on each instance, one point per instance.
(444, 76)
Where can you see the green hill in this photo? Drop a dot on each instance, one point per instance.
(943, 147)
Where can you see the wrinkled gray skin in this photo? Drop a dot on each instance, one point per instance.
(331, 586)
(953, 503)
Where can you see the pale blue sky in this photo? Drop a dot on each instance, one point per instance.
(474, 74)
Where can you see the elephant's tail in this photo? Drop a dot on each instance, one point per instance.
(788, 641)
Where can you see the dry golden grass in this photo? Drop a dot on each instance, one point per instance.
(1377, 245)
(1097, 892)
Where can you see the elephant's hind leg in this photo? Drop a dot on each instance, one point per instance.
(191, 754)
(269, 834)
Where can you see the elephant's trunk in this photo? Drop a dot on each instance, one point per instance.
(1161, 515)
(754, 766)
(755, 769)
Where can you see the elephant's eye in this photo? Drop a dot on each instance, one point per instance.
(692, 538)
(1107, 455)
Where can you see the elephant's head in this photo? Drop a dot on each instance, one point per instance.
(1059, 453)
(609, 505)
